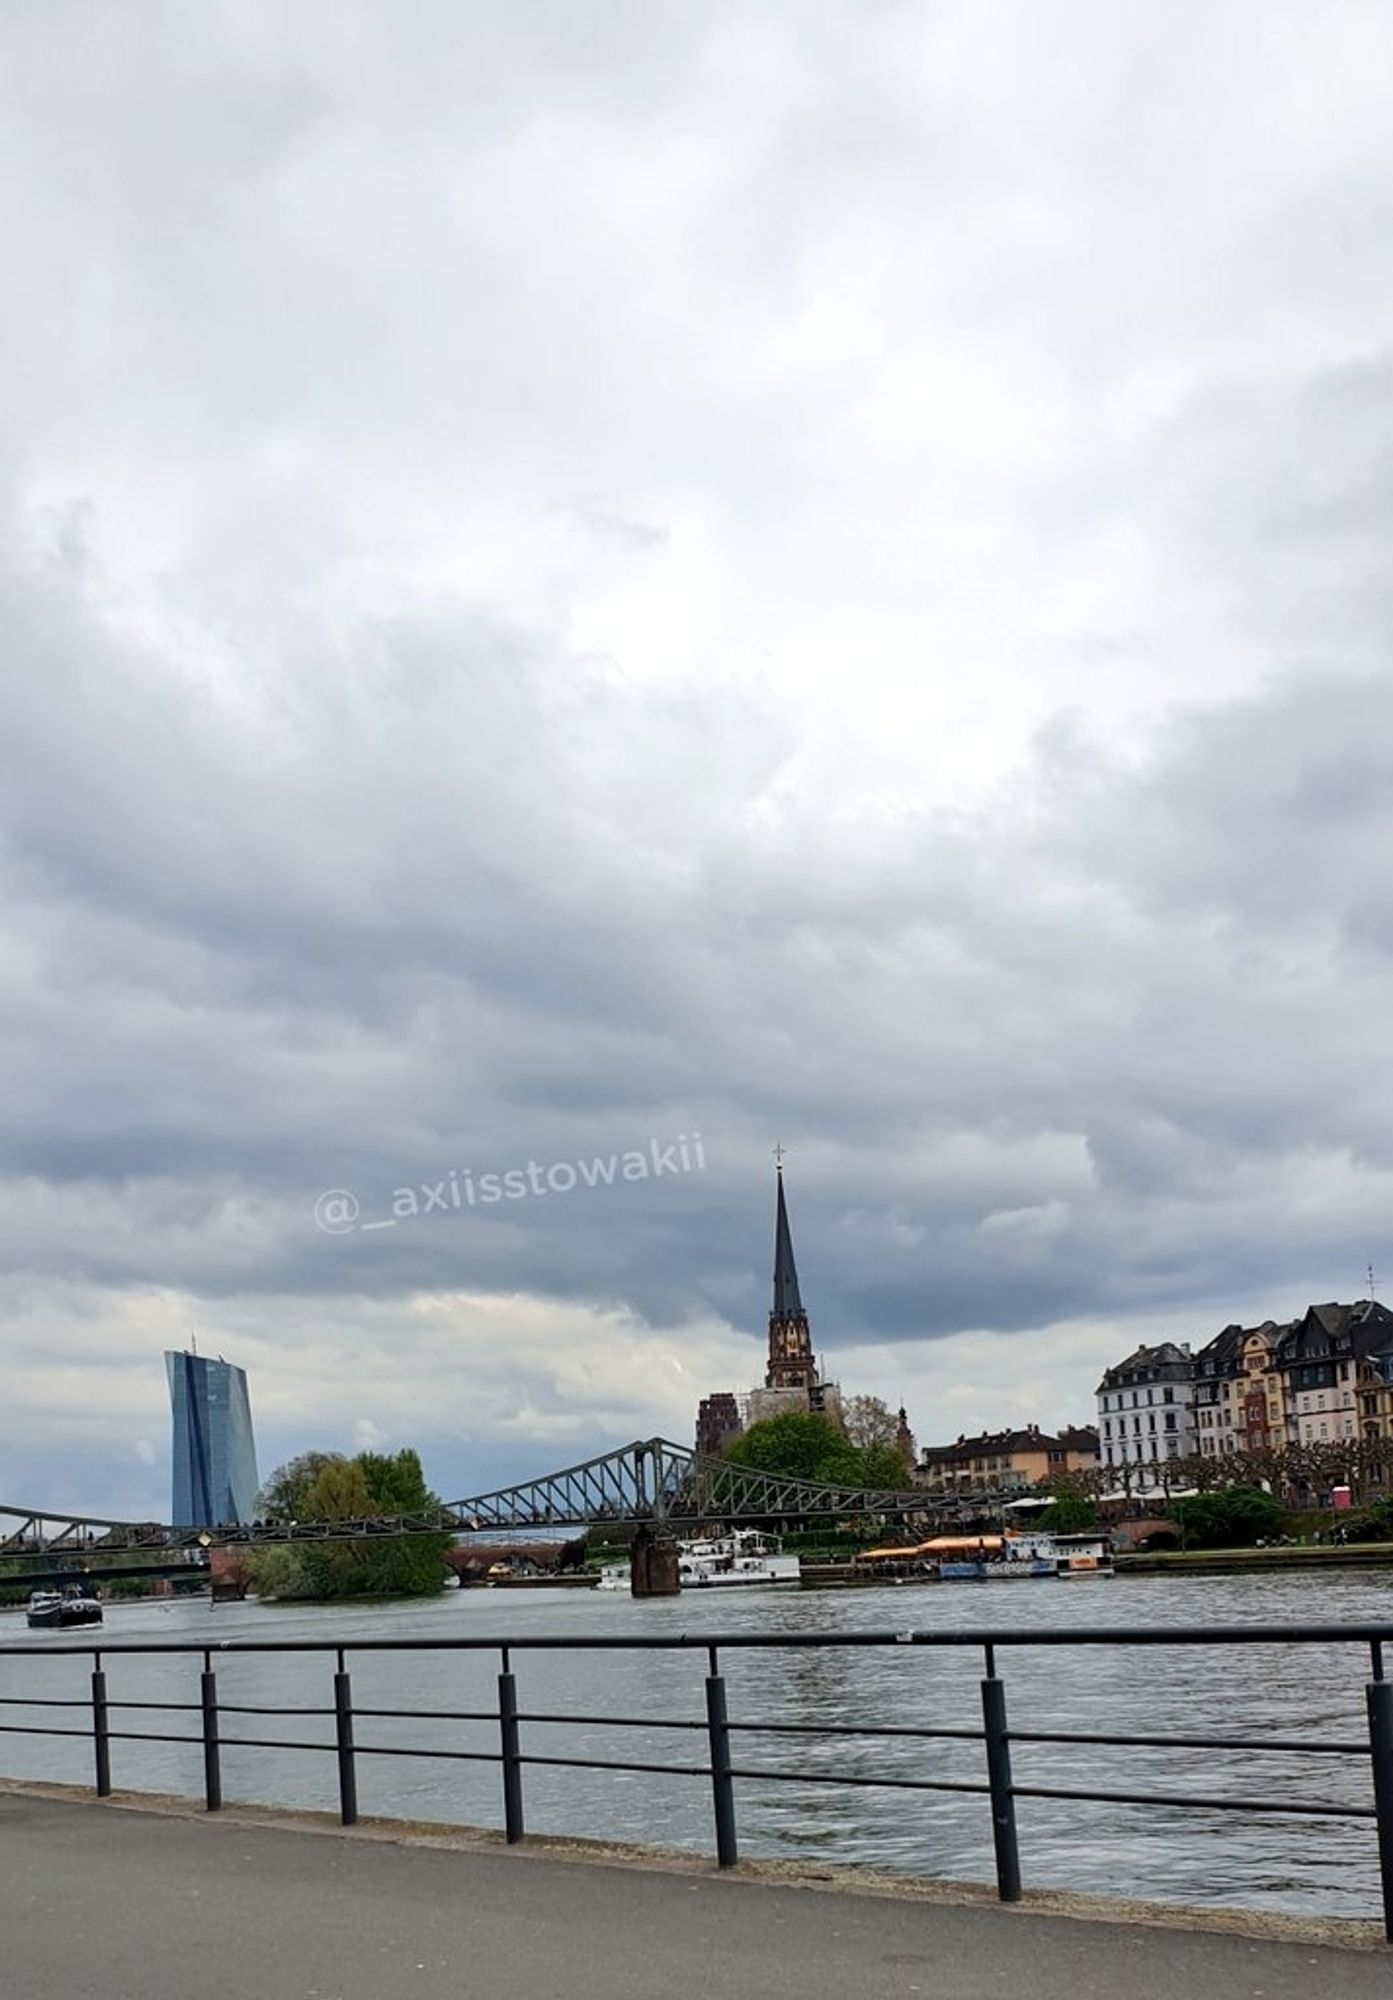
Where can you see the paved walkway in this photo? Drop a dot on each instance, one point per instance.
(121, 1905)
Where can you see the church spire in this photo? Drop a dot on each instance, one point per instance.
(792, 1364)
(786, 1299)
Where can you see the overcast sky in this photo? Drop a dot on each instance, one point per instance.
(584, 573)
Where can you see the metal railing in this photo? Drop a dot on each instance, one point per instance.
(998, 1786)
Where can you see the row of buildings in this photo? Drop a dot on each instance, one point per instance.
(1325, 1378)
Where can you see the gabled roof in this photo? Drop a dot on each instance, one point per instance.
(1002, 1444)
(1165, 1358)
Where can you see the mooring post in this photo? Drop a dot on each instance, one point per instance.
(1379, 1695)
(343, 1734)
(1003, 1799)
(511, 1745)
(101, 1729)
(212, 1759)
(722, 1784)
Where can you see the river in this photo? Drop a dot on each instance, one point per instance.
(1308, 1866)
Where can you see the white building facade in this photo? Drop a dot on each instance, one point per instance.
(1146, 1407)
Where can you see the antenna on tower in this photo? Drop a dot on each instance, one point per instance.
(193, 1341)
(1371, 1281)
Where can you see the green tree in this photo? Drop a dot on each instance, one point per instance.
(881, 1465)
(1233, 1518)
(326, 1486)
(283, 1497)
(805, 1445)
(1070, 1511)
(799, 1445)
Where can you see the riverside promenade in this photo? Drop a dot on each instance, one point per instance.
(125, 1901)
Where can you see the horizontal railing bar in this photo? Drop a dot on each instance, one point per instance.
(609, 1764)
(149, 1736)
(34, 1729)
(1196, 1803)
(1358, 1634)
(427, 1714)
(604, 1721)
(45, 1701)
(830, 1778)
(854, 1729)
(269, 1743)
(1274, 1744)
(249, 1708)
(454, 1756)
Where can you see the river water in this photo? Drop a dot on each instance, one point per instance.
(1158, 1851)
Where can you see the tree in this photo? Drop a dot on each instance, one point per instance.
(881, 1465)
(1070, 1511)
(804, 1445)
(869, 1421)
(1233, 1518)
(798, 1445)
(326, 1486)
(283, 1496)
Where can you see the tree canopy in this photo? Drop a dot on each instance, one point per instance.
(805, 1445)
(327, 1486)
(869, 1420)
(1232, 1519)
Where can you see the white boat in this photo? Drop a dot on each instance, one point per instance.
(744, 1557)
(1082, 1555)
(720, 1562)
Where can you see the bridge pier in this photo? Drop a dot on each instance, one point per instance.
(653, 1559)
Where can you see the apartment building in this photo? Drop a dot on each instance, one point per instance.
(1146, 1406)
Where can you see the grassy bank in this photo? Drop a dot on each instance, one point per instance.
(1353, 1555)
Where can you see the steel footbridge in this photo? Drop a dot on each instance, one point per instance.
(651, 1481)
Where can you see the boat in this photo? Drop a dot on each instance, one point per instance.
(1082, 1555)
(56, 1609)
(742, 1558)
(720, 1562)
(963, 1558)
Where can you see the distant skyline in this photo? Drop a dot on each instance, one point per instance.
(575, 576)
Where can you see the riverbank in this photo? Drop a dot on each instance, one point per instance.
(1234, 1562)
(398, 1909)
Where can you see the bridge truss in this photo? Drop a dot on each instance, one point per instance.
(650, 1481)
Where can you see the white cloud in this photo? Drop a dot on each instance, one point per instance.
(775, 575)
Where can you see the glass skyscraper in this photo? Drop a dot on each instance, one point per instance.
(215, 1476)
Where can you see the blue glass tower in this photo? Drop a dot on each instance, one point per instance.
(215, 1476)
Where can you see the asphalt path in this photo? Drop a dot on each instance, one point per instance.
(124, 1905)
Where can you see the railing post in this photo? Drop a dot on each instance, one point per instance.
(343, 1734)
(1008, 1860)
(1379, 1694)
(101, 1729)
(212, 1760)
(722, 1785)
(511, 1744)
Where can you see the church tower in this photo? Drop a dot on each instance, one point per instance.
(792, 1363)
